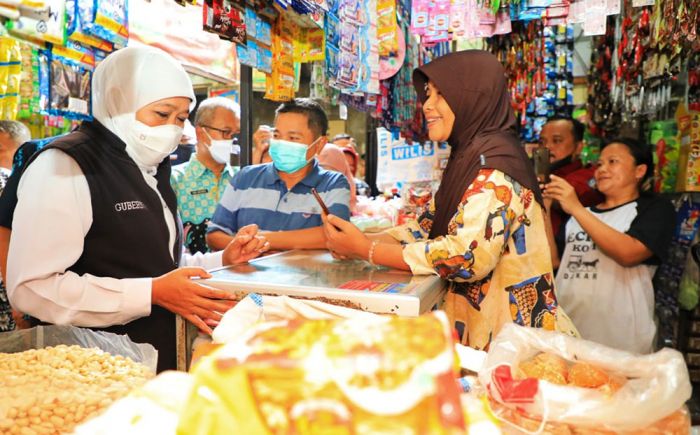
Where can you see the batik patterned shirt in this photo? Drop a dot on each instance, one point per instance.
(198, 193)
(495, 256)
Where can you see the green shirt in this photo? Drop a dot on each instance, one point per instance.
(198, 192)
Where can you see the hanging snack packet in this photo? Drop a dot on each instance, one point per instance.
(70, 82)
(84, 15)
(242, 53)
(348, 70)
(111, 21)
(14, 77)
(46, 24)
(317, 42)
(263, 32)
(44, 81)
(253, 53)
(353, 11)
(332, 64)
(264, 59)
(251, 23)
(29, 83)
(386, 27)
(419, 16)
(350, 38)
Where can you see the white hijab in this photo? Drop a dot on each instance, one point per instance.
(130, 79)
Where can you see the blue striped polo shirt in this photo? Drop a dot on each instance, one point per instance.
(257, 195)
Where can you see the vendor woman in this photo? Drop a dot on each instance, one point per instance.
(611, 250)
(484, 231)
(96, 240)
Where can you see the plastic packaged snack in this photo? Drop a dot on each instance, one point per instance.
(84, 15)
(70, 88)
(111, 21)
(612, 390)
(322, 376)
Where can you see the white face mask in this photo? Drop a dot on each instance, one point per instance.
(148, 146)
(220, 150)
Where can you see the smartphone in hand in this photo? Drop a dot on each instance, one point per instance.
(320, 201)
(541, 157)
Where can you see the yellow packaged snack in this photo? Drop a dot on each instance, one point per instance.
(362, 375)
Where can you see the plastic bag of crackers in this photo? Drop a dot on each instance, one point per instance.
(550, 382)
(381, 374)
(53, 378)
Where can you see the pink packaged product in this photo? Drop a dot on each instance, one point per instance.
(419, 16)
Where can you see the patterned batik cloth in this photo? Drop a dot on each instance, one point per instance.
(198, 192)
(495, 256)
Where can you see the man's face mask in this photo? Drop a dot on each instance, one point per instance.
(288, 156)
(220, 149)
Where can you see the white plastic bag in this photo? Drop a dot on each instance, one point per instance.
(255, 308)
(152, 409)
(40, 337)
(657, 385)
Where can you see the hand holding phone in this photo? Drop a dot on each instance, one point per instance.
(541, 157)
(320, 201)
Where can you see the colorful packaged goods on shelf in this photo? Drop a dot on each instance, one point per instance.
(224, 18)
(10, 77)
(279, 85)
(65, 80)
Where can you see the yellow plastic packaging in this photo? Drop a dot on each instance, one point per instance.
(361, 375)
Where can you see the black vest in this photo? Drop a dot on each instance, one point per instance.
(128, 237)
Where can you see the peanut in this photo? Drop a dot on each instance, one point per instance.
(51, 390)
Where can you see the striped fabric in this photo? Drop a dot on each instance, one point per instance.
(257, 195)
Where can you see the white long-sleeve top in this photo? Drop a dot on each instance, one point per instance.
(52, 218)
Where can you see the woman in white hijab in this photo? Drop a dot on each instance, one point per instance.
(96, 217)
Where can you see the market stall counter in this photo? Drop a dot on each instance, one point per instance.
(316, 275)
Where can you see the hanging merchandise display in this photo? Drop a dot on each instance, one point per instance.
(256, 52)
(224, 18)
(10, 77)
(46, 22)
(539, 62)
(668, 277)
(65, 83)
(79, 16)
(279, 85)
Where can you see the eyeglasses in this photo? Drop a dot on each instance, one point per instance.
(225, 133)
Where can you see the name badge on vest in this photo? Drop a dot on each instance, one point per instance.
(199, 192)
(129, 206)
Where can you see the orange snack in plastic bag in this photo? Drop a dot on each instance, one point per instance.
(546, 366)
(586, 375)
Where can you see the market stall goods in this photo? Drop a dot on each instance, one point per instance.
(555, 369)
(51, 390)
(380, 374)
(544, 380)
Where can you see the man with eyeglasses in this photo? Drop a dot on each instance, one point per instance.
(200, 182)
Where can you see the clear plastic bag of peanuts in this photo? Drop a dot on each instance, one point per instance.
(537, 380)
(55, 377)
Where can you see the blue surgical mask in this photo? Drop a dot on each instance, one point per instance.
(289, 156)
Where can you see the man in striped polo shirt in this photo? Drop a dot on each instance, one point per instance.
(277, 196)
